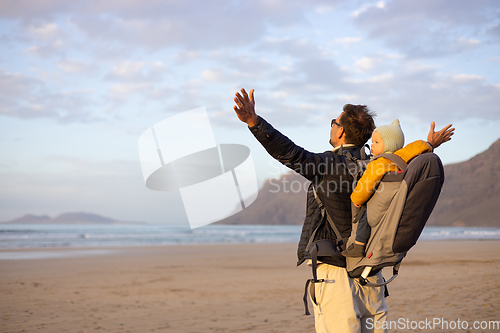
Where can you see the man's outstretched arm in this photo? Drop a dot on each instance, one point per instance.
(440, 137)
(280, 147)
(245, 108)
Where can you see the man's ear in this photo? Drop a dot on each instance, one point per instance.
(340, 132)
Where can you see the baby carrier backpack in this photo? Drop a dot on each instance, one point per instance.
(397, 213)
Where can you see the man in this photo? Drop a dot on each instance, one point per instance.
(342, 304)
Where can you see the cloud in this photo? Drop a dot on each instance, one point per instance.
(428, 28)
(137, 71)
(297, 48)
(467, 43)
(324, 9)
(186, 56)
(156, 24)
(467, 77)
(45, 31)
(127, 70)
(122, 91)
(366, 7)
(494, 31)
(347, 40)
(323, 73)
(15, 84)
(237, 67)
(405, 87)
(26, 97)
(214, 75)
(15, 92)
(373, 79)
(206, 53)
(74, 66)
(376, 62)
(46, 50)
(49, 39)
(366, 63)
(140, 78)
(257, 66)
(424, 93)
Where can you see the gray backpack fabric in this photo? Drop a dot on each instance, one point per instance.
(397, 213)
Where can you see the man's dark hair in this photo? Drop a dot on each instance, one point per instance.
(358, 124)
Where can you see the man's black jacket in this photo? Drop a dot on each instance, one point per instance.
(327, 173)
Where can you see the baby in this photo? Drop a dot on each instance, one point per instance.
(385, 139)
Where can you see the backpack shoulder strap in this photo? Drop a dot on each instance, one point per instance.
(395, 159)
(323, 209)
(322, 247)
(354, 165)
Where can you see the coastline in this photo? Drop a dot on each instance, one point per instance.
(23, 236)
(229, 288)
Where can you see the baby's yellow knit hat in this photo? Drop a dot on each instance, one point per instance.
(392, 135)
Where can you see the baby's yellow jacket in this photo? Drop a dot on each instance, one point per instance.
(376, 169)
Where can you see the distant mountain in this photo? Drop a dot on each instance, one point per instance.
(471, 196)
(66, 218)
(280, 201)
(471, 192)
(30, 219)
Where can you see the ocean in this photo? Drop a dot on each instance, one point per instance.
(33, 236)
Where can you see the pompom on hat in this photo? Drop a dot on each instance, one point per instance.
(393, 136)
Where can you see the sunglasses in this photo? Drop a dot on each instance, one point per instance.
(334, 122)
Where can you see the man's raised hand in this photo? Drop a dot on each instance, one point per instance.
(440, 137)
(245, 107)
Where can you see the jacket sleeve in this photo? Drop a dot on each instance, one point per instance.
(413, 149)
(308, 164)
(375, 170)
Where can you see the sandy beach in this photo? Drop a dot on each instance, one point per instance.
(228, 288)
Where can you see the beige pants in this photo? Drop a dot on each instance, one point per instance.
(344, 306)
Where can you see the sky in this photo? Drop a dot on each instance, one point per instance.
(81, 80)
